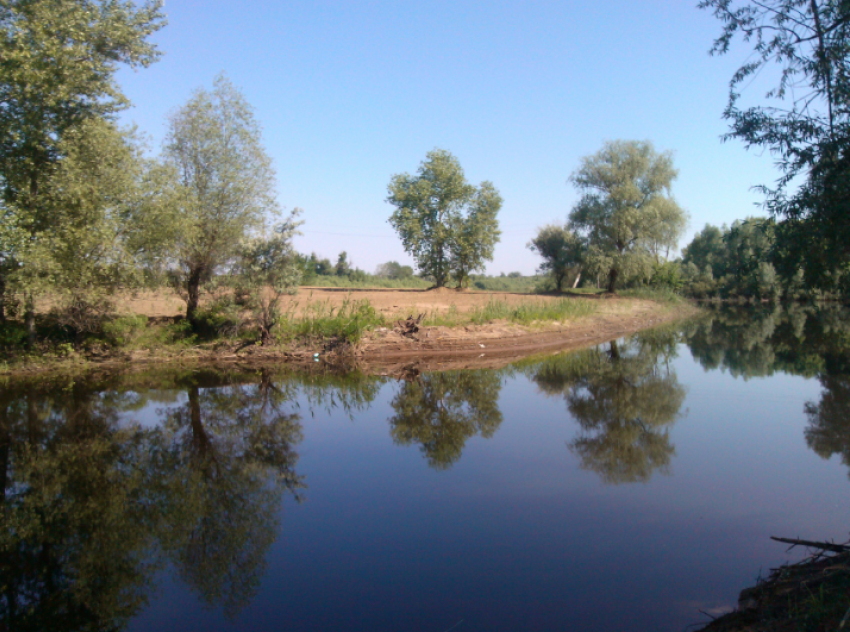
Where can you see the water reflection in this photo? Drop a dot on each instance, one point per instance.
(440, 411)
(93, 506)
(624, 397)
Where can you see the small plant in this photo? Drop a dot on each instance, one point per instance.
(124, 330)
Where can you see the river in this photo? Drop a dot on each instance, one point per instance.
(630, 486)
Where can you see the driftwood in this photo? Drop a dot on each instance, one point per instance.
(410, 326)
(823, 546)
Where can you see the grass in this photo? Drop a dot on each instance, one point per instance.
(322, 322)
(660, 295)
(528, 313)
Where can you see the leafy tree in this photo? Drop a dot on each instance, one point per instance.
(448, 225)
(626, 212)
(805, 123)
(440, 411)
(267, 270)
(343, 267)
(394, 270)
(228, 184)
(562, 251)
(110, 217)
(707, 250)
(59, 63)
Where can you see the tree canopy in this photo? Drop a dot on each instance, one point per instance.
(805, 123)
(228, 182)
(626, 212)
(562, 252)
(447, 225)
(59, 59)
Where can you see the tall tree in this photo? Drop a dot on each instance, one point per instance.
(562, 252)
(215, 146)
(626, 212)
(448, 225)
(805, 123)
(59, 59)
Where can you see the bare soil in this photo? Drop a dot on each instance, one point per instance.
(391, 302)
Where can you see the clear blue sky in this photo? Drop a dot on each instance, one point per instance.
(350, 93)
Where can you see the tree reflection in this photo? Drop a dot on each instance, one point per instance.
(76, 543)
(829, 420)
(625, 398)
(440, 411)
(227, 454)
(94, 504)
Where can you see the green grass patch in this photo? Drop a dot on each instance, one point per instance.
(527, 313)
(661, 295)
(321, 323)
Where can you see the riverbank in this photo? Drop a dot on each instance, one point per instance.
(454, 328)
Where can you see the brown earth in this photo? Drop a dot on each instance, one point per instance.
(392, 302)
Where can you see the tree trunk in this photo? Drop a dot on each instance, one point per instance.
(29, 319)
(612, 280)
(193, 288)
(559, 281)
(578, 278)
(200, 439)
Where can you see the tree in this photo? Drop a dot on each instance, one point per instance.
(393, 270)
(562, 251)
(343, 267)
(268, 269)
(805, 123)
(58, 71)
(228, 181)
(448, 225)
(626, 212)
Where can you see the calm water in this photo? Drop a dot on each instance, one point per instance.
(625, 487)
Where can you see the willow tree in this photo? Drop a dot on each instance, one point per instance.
(626, 212)
(447, 225)
(58, 71)
(214, 144)
(804, 120)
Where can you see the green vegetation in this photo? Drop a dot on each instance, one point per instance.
(804, 123)
(625, 224)
(447, 225)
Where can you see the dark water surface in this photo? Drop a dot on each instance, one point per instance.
(625, 487)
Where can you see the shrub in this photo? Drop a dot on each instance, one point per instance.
(124, 330)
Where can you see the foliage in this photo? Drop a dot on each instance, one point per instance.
(624, 399)
(441, 411)
(447, 225)
(267, 270)
(562, 252)
(805, 123)
(59, 62)
(326, 325)
(736, 262)
(228, 184)
(393, 270)
(626, 212)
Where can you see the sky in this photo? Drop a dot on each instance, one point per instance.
(350, 93)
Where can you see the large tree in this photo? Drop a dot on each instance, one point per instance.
(626, 213)
(228, 181)
(447, 225)
(804, 122)
(562, 251)
(59, 59)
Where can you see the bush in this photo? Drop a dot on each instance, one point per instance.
(122, 331)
